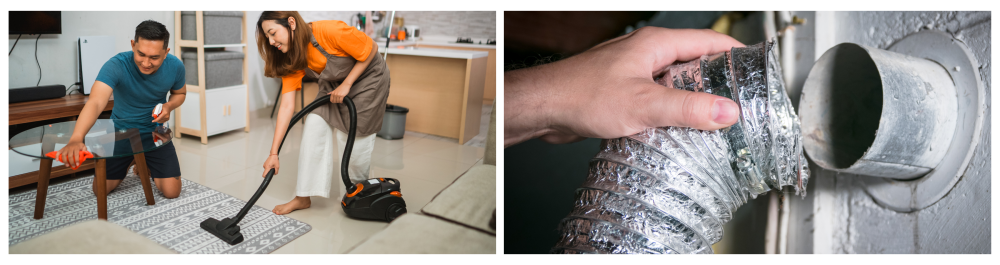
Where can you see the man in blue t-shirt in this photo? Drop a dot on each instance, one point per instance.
(139, 79)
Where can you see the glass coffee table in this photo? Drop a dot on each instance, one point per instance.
(108, 138)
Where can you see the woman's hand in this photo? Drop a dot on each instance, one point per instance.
(70, 154)
(338, 94)
(272, 162)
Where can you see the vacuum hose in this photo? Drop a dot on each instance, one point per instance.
(671, 189)
(343, 162)
(352, 130)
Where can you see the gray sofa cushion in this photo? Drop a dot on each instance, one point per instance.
(470, 200)
(420, 234)
(491, 140)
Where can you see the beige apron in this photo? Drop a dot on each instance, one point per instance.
(369, 92)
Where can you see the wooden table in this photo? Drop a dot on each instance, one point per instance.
(46, 110)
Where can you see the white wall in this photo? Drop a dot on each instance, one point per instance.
(475, 24)
(57, 53)
(263, 90)
(845, 218)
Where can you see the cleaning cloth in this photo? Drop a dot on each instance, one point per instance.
(84, 154)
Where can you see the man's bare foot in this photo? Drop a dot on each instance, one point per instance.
(297, 203)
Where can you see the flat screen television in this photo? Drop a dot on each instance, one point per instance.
(35, 22)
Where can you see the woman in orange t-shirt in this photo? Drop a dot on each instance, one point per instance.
(344, 62)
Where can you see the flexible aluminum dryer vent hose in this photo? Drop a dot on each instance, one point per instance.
(671, 189)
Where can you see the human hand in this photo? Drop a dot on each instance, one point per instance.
(338, 94)
(163, 116)
(608, 90)
(70, 154)
(272, 162)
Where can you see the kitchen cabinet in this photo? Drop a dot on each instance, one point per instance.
(442, 88)
(490, 86)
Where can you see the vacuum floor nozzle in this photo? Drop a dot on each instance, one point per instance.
(224, 230)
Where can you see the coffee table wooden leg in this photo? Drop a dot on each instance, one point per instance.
(101, 183)
(43, 187)
(143, 171)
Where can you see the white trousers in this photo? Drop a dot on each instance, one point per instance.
(317, 159)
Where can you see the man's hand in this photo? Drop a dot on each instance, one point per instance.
(70, 154)
(99, 95)
(176, 99)
(164, 115)
(608, 91)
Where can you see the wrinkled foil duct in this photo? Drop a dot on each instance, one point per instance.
(671, 189)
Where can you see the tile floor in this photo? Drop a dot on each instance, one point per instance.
(232, 163)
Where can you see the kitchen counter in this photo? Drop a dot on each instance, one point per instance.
(457, 45)
(437, 42)
(490, 84)
(381, 43)
(443, 88)
(432, 52)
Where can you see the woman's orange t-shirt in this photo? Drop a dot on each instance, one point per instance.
(338, 39)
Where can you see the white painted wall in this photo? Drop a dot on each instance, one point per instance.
(58, 56)
(475, 24)
(262, 89)
(844, 217)
(57, 53)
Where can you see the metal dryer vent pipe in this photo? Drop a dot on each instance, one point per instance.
(671, 189)
(878, 113)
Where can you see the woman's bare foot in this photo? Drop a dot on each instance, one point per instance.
(297, 203)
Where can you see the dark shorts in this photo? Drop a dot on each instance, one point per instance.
(162, 163)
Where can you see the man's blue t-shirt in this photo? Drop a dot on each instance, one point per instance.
(136, 94)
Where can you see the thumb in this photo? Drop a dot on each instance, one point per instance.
(699, 110)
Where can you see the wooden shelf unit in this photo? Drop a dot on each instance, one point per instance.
(199, 44)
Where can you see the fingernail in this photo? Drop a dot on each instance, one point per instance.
(724, 111)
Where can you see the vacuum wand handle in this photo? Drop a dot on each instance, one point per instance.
(298, 116)
(270, 174)
(253, 200)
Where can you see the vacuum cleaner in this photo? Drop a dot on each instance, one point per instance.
(374, 199)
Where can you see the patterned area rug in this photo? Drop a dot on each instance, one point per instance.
(173, 223)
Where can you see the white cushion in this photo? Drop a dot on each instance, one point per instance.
(90, 237)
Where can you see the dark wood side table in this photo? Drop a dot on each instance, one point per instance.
(47, 110)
